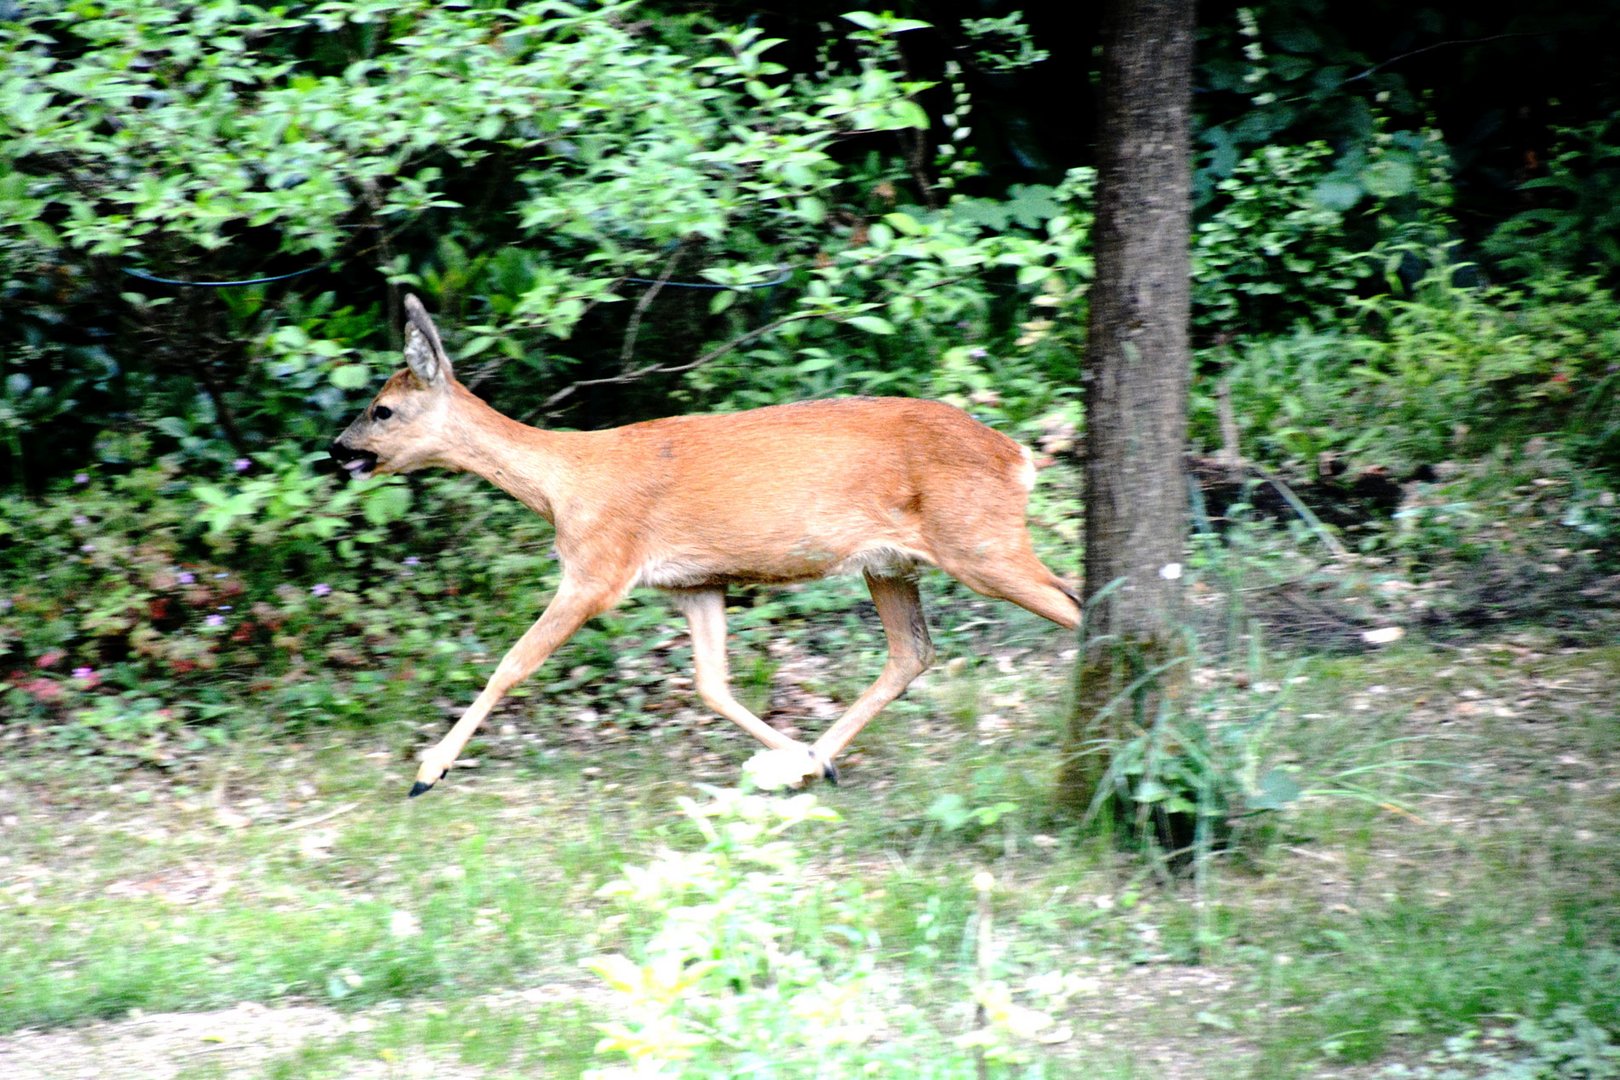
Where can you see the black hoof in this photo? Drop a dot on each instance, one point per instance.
(829, 771)
(417, 789)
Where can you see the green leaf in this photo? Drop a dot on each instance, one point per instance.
(1390, 177)
(1149, 791)
(904, 224)
(350, 376)
(819, 362)
(387, 504)
(872, 324)
(950, 811)
(909, 114)
(1277, 789)
(1336, 195)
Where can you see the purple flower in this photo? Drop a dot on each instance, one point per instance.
(978, 354)
(81, 478)
(80, 520)
(241, 464)
(412, 560)
(187, 577)
(321, 589)
(214, 620)
(83, 672)
(87, 547)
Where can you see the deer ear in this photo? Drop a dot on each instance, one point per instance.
(424, 352)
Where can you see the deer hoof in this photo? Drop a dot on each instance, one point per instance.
(829, 771)
(426, 778)
(787, 767)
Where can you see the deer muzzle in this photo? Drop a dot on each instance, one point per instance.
(357, 463)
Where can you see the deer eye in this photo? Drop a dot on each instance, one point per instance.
(381, 412)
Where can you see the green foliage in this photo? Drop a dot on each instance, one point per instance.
(266, 129)
(1191, 777)
(1441, 373)
(936, 274)
(1276, 242)
(1574, 225)
(516, 164)
(1003, 44)
(1320, 168)
(1567, 1045)
(1465, 370)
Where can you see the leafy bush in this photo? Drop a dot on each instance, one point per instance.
(1568, 1045)
(742, 960)
(1574, 225)
(528, 168)
(1422, 378)
(1276, 244)
(1321, 168)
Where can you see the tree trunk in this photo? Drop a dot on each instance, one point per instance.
(1135, 385)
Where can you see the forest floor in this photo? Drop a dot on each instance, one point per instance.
(1440, 900)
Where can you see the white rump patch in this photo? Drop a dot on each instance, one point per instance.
(1026, 475)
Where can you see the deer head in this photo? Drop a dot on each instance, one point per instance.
(407, 426)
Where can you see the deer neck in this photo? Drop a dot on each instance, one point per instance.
(525, 462)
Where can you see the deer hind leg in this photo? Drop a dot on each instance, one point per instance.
(910, 652)
(574, 603)
(705, 611)
(1015, 573)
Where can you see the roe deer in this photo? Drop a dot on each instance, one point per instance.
(691, 504)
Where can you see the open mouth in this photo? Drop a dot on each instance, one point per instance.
(357, 463)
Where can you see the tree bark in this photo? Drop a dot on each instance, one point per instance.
(1135, 385)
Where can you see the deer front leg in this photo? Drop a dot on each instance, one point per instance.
(574, 603)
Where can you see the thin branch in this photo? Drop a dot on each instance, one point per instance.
(633, 327)
(677, 369)
(1441, 45)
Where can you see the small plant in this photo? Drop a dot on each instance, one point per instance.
(1190, 777)
(743, 961)
(1567, 1045)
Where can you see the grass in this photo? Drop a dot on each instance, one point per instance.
(1455, 870)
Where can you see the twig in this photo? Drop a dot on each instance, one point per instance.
(633, 327)
(663, 369)
(316, 820)
(1231, 454)
(1442, 45)
(1306, 514)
